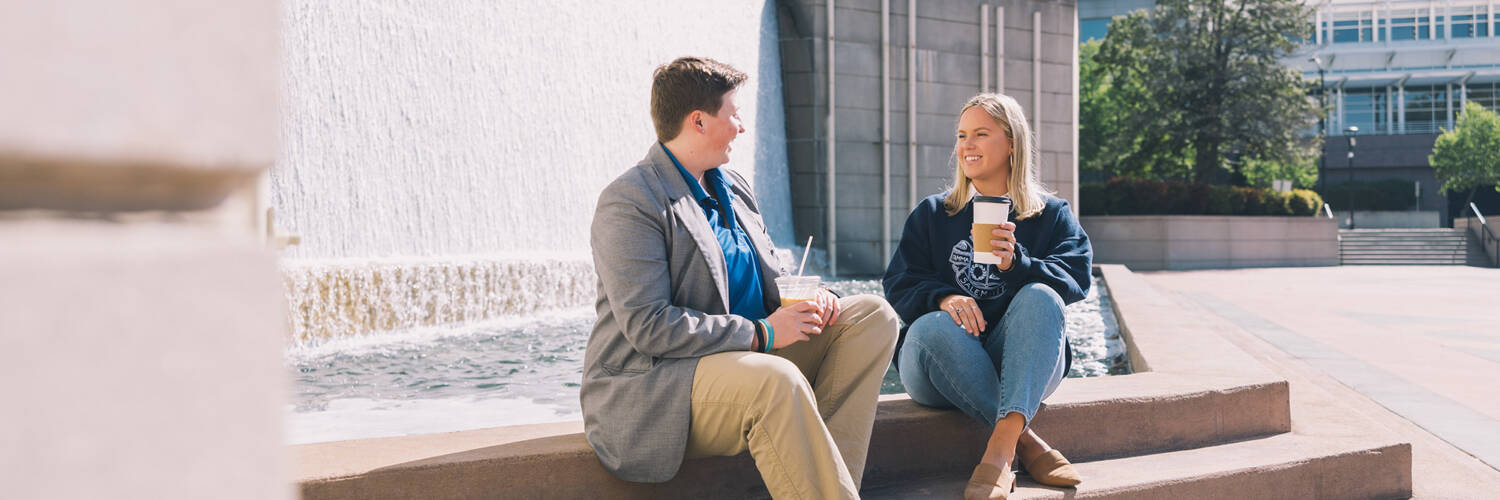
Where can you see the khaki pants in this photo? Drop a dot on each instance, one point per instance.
(805, 413)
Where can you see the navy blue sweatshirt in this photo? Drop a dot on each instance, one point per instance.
(935, 260)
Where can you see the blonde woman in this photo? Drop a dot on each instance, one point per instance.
(988, 338)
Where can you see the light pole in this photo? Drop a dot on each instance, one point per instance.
(1350, 131)
(1322, 117)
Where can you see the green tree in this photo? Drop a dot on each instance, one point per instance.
(1104, 145)
(1468, 157)
(1303, 172)
(1206, 81)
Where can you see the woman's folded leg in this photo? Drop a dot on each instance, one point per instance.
(1028, 349)
(943, 366)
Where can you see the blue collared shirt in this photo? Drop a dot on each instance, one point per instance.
(746, 298)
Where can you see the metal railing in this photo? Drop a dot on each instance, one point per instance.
(1486, 237)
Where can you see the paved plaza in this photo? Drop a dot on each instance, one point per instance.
(1416, 348)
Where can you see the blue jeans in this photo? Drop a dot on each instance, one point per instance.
(1012, 368)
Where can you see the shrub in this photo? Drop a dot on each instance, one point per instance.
(1305, 202)
(1127, 196)
(1091, 200)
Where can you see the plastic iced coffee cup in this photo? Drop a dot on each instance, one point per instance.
(796, 289)
(989, 213)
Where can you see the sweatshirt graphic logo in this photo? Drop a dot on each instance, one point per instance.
(979, 280)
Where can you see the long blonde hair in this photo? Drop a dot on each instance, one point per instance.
(1027, 194)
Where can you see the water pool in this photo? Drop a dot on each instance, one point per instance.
(524, 369)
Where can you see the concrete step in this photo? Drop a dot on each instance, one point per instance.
(1432, 234)
(1411, 241)
(1283, 466)
(1400, 263)
(1454, 239)
(1160, 411)
(1376, 247)
(1445, 255)
(1403, 248)
(1413, 230)
(1350, 236)
(1199, 419)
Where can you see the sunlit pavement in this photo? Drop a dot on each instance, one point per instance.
(1421, 342)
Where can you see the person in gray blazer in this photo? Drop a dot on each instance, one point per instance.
(693, 354)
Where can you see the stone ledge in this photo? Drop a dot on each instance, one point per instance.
(1153, 412)
(1200, 391)
(1283, 466)
(86, 185)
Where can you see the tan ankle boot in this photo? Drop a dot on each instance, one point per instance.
(990, 483)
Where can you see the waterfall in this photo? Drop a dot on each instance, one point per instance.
(441, 160)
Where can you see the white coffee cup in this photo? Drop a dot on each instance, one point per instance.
(989, 213)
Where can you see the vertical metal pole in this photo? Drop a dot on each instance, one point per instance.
(1432, 22)
(1448, 100)
(1388, 18)
(1463, 95)
(1318, 26)
(1447, 21)
(911, 103)
(1000, 49)
(1401, 107)
(984, 47)
(1391, 123)
(1036, 73)
(832, 142)
(1338, 107)
(1072, 166)
(885, 129)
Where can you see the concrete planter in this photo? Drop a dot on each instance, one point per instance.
(1157, 242)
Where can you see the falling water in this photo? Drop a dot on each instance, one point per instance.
(441, 160)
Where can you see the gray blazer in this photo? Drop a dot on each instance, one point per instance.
(663, 303)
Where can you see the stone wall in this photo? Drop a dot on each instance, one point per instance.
(1387, 219)
(949, 61)
(1177, 242)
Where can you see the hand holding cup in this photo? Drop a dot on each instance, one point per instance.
(793, 323)
(1003, 244)
(991, 217)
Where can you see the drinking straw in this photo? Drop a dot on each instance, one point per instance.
(804, 255)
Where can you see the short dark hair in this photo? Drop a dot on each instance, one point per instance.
(689, 84)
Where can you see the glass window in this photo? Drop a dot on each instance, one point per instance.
(1365, 108)
(1403, 25)
(1345, 31)
(1470, 21)
(1485, 94)
(1463, 26)
(1353, 27)
(1426, 109)
(1092, 29)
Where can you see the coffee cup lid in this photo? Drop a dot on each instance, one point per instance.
(991, 199)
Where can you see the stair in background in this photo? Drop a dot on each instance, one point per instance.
(1403, 247)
